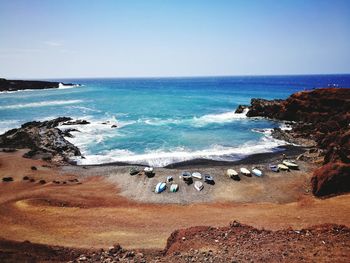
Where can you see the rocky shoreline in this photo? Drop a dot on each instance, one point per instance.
(319, 119)
(15, 85)
(43, 139)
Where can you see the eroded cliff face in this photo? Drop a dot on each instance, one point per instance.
(44, 140)
(321, 116)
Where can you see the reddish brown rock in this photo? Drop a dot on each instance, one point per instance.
(332, 178)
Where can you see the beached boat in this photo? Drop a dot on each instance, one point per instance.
(169, 179)
(174, 188)
(148, 170)
(160, 187)
(231, 173)
(198, 185)
(257, 172)
(274, 168)
(290, 164)
(208, 179)
(134, 170)
(186, 175)
(245, 171)
(282, 167)
(197, 175)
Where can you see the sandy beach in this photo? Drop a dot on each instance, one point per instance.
(107, 205)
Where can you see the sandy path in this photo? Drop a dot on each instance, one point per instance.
(93, 214)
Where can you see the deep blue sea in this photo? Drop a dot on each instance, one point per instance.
(161, 120)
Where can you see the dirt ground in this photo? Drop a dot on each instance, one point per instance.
(107, 206)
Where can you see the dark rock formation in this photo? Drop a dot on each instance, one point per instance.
(76, 122)
(43, 139)
(322, 118)
(241, 108)
(13, 85)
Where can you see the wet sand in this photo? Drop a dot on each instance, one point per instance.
(110, 206)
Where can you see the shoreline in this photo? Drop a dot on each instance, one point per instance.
(290, 150)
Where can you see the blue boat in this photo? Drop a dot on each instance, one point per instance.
(160, 187)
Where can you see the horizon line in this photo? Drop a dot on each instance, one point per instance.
(178, 76)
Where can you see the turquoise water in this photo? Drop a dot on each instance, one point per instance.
(164, 120)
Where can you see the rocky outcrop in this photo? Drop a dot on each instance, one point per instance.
(44, 140)
(332, 178)
(13, 85)
(321, 118)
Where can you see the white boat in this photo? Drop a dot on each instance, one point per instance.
(231, 173)
(169, 179)
(282, 167)
(290, 164)
(160, 187)
(174, 188)
(197, 175)
(148, 170)
(245, 171)
(257, 172)
(198, 185)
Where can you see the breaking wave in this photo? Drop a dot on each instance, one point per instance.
(162, 158)
(41, 104)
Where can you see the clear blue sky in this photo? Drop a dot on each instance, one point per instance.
(57, 39)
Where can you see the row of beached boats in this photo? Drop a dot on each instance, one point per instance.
(286, 165)
(188, 177)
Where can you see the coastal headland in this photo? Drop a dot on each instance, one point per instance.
(77, 210)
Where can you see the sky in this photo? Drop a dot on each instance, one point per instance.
(72, 39)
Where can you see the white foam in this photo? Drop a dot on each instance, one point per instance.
(199, 121)
(221, 117)
(41, 104)
(62, 86)
(161, 158)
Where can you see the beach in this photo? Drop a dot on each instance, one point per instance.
(108, 205)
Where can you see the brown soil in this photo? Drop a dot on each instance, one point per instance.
(94, 214)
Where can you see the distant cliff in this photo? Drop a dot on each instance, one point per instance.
(13, 85)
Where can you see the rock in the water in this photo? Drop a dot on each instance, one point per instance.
(241, 108)
(76, 122)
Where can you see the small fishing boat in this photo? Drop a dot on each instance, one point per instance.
(134, 170)
(231, 173)
(245, 171)
(274, 168)
(198, 185)
(160, 187)
(290, 164)
(148, 170)
(174, 188)
(208, 179)
(186, 175)
(257, 172)
(169, 179)
(197, 175)
(283, 167)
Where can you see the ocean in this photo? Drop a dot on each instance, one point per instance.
(161, 120)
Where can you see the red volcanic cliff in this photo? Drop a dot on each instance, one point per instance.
(323, 116)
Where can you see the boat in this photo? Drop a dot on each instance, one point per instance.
(245, 171)
(169, 179)
(274, 168)
(257, 172)
(282, 167)
(148, 170)
(208, 179)
(198, 185)
(160, 187)
(231, 173)
(290, 164)
(134, 170)
(197, 175)
(187, 177)
(174, 188)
